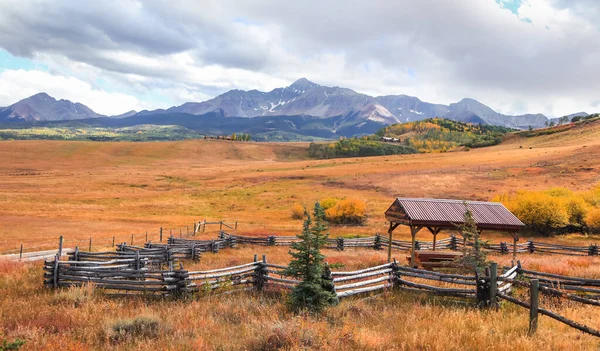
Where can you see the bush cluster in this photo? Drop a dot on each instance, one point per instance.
(356, 148)
(556, 210)
(345, 211)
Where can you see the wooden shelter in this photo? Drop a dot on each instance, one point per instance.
(440, 214)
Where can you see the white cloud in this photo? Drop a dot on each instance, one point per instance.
(437, 51)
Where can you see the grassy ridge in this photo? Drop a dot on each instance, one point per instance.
(440, 135)
(428, 135)
(135, 133)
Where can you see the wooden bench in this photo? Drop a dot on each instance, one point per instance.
(431, 259)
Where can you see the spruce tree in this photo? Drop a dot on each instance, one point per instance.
(314, 292)
(474, 257)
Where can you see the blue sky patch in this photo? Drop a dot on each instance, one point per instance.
(10, 62)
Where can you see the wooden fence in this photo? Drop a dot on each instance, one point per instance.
(378, 242)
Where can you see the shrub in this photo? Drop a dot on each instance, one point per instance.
(541, 212)
(577, 210)
(348, 211)
(12, 345)
(140, 327)
(328, 203)
(297, 211)
(592, 219)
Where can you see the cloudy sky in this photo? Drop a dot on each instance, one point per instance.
(516, 56)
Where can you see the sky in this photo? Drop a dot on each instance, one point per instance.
(516, 56)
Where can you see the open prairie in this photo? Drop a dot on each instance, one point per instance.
(100, 190)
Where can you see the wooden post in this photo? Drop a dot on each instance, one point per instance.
(113, 241)
(187, 230)
(146, 236)
(515, 239)
(21, 252)
(255, 258)
(160, 234)
(413, 234)
(60, 246)
(390, 242)
(180, 235)
(534, 305)
(221, 226)
(131, 239)
(90, 249)
(235, 225)
(55, 272)
(137, 260)
(264, 259)
(493, 284)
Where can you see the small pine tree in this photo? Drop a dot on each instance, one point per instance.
(314, 292)
(474, 257)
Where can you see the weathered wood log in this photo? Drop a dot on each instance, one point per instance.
(553, 315)
(362, 283)
(348, 293)
(363, 275)
(434, 288)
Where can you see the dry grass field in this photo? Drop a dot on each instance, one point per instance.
(92, 189)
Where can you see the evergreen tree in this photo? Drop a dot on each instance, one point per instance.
(314, 292)
(474, 257)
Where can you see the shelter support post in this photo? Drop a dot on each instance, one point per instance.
(413, 233)
(435, 232)
(515, 239)
(392, 227)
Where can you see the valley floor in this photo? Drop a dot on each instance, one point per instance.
(100, 190)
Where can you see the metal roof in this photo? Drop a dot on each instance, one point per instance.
(448, 213)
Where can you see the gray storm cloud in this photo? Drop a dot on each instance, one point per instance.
(437, 50)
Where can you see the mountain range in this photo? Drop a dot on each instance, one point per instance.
(334, 109)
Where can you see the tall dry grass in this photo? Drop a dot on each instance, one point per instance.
(83, 318)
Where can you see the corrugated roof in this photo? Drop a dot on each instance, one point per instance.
(449, 212)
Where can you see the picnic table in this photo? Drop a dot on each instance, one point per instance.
(431, 259)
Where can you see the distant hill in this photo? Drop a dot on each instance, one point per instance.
(43, 107)
(440, 135)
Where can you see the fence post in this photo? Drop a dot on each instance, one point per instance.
(255, 257)
(55, 272)
(417, 245)
(180, 234)
(503, 248)
(60, 246)
(137, 260)
(90, 250)
(271, 240)
(21, 252)
(146, 237)
(160, 234)
(482, 290)
(534, 305)
(221, 225)
(187, 230)
(530, 246)
(76, 255)
(340, 244)
(395, 274)
(113, 241)
(593, 250)
(493, 284)
(131, 239)
(235, 225)
(453, 243)
(377, 242)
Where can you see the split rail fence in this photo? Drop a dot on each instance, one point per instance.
(378, 242)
